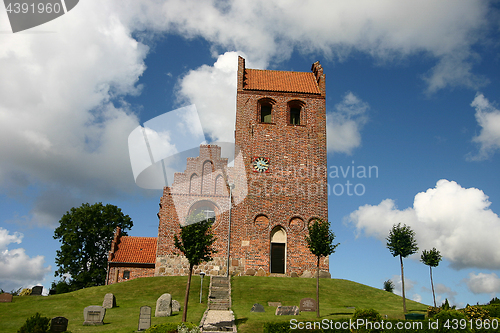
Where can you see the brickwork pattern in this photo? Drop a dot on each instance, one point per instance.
(115, 273)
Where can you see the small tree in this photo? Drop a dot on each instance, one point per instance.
(195, 242)
(401, 242)
(320, 243)
(389, 286)
(431, 258)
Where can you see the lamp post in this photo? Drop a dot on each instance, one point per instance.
(231, 187)
(202, 274)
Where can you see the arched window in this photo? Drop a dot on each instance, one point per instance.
(295, 112)
(266, 110)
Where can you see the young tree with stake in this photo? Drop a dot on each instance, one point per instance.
(431, 258)
(401, 242)
(320, 243)
(195, 242)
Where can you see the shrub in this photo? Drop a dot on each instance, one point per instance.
(432, 311)
(494, 300)
(35, 324)
(389, 286)
(450, 319)
(25, 292)
(493, 310)
(173, 327)
(277, 327)
(370, 315)
(475, 312)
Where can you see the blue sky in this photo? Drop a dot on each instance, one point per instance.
(412, 90)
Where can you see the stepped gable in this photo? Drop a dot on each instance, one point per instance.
(204, 174)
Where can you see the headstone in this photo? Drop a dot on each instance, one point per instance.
(58, 325)
(306, 274)
(144, 318)
(109, 301)
(258, 308)
(274, 303)
(5, 298)
(176, 306)
(250, 272)
(294, 274)
(323, 275)
(93, 315)
(261, 272)
(164, 306)
(287, 310)
(307, 304)
(36, 291)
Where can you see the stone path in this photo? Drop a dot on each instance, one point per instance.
(218, 317)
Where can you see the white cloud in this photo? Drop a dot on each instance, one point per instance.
(488, 117)
(17, 269)
(62, 121)
(386, 30)
(416, 298)
(409, 285)
(213, 90)
(482, 283)
(455, 220)
(443, 292)
(344, 125)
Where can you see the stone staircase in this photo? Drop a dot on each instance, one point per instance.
(218, 317)
(219, 297)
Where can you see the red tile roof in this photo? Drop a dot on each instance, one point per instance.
(135, 250)
(282, 81)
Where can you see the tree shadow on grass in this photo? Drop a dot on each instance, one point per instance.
(240, 320)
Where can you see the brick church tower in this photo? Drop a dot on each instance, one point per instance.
(279, 177)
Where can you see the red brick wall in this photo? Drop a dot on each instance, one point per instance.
(116, 272)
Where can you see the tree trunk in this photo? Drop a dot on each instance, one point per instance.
(403, 284)
(184, 313)
(432, 285)
(317, 290)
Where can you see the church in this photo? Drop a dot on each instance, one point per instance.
(262, 201)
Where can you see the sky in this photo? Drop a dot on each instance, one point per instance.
(412, 95)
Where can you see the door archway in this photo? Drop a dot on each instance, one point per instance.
(278, 250)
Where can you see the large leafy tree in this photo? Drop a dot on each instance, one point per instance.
(401, 242)
(86, 234)
(320, 243)
(195, 242)
(431, 258)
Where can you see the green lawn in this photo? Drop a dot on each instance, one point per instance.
(337, 299)
(130, 296)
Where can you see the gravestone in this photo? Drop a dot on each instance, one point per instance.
(294, 274)
(36, 291)
(58, 325)
(322, 275)
(144, 318)
(250, 272)
(258, 308)
(109, 301)
(164, 306)
(261, 272)
(93, 315)
(287, 311)
(307, 304)
(274, 303)
(306, 274)
(176, 306)
(5, 298)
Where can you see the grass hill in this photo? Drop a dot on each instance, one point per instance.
(338, 298)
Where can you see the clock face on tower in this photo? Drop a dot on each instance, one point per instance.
(260, 164)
